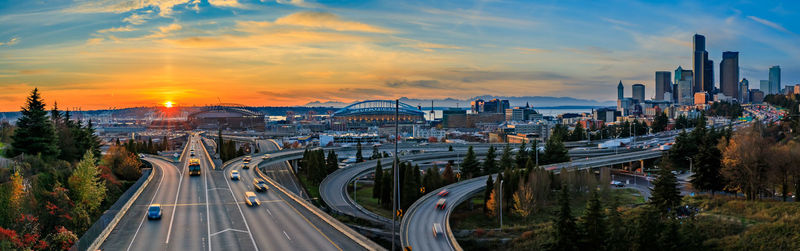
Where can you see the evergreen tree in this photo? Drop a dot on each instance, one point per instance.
(375, 153)
(534, 153)
(681, 122)
(448, 177)
(487, 193)
(506, 160)
(592, 224)
(387, 185)
(490, 164)
(470, 167)
(376, 189)
(660, 122)
(219, 143)
(522, 155)
(35, 133)
(617, 236)
(450, 148)
(331, 164)
(566, 231)
(578, 133)
(554, 151)
(665, 193)
(359, 157)
(707, 165)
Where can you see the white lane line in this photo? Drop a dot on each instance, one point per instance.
(151, 202)
(241, 213)
(177, 194)
(229, 229)
(208, 212)
(269, 212)
(287, 236)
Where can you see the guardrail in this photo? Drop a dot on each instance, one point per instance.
(341, 227)
(99, 231)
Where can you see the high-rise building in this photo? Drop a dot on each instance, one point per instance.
(774, 79)
(744, 91)
(620, 91)
(637, 92)
(708, 76)
(663, 84)
(699, 59)
(686, 88)
(729, 74)
(764, 86)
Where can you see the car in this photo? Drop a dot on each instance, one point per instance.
(617, 183)
(154, 212)
(441, 204)
(247, 158)
(260, 185)
(266, 156)
(234, 175)
(443, 193)
(437, 229)
(251, 199)
(245, 166)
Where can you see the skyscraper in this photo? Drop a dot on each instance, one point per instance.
(774, 79)
(699, 58)
(637, 92)
(708, 76)
(764, 86)
(744, 91)
(663, 84)
(729, 74)
(620, 91)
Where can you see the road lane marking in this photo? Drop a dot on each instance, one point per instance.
(177, 193)
(145, 216)
(269, 212)
(287, 236)
(229, 229)
(312, 225)
(208, 213)
(242, 214)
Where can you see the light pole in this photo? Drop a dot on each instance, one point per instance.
(501, 205)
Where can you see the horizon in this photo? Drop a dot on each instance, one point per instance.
(98, 55)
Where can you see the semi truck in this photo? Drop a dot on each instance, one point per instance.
(194, 167)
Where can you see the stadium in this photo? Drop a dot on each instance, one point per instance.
(227, 116)
(374, 113)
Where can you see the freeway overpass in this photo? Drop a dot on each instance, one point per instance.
(415, 230)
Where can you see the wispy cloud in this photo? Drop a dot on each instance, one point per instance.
(326, 20)
(769, 23)
(530, 50)
(136, 19)
(117, 29)
(225, 3)
(10, 42)
(120, 6)
(617, 22)
(298, 3)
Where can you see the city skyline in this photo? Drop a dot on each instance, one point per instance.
(97, 55)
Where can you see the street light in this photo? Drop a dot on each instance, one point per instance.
(501, 205)
(690, 164)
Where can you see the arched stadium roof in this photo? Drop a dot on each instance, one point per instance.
(225, 110)
(377, 107)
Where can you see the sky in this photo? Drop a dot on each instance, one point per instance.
(123, 53)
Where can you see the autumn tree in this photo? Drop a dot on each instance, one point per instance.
(87, 189)
(743, 161)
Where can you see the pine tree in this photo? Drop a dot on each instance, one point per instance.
(506, 160)
(534, 153)
(577, 133)
(487, 193)
(331, 164)
(660, 122)
(665, 193)
(566, 231)
(554, 151)
(35, 133)
(359, 157)
(592, 224)
(490, 164)
(376, 189)
(448, 177)
(707, 166)
(617, 240)
(375, 153)
(522, 155)
(470, 167)
(450, 148)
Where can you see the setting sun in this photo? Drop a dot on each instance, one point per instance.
(168, 104)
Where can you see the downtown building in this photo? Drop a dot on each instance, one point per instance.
(729, 75)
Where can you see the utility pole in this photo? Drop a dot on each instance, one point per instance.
(395, 176)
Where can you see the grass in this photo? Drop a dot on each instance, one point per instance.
(364, 198)
(313, 191)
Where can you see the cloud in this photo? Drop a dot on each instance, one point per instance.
(427, 84)
(225, 3)
(617, 22)
(117, 29)
(121, 6)
(769, 23)
(135, 19)
(298, 3)
(93, 41)
(12, 41)
(170, 28)
(590, 50)
(33, 71)
(325, 20)
(530, 50)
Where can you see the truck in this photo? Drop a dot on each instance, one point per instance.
(194, 167)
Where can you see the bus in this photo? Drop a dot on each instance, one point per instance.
(194, 167)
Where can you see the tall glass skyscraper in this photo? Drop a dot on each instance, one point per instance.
(699, 61)
(663, 84)
(774, 79)
(729, 74)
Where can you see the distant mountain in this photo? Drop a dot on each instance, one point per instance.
(536, 101)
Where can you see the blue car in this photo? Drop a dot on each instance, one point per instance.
(154, 212)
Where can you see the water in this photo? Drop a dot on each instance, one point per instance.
(546, 112)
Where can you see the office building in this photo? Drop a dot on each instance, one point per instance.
(757, 96)
(774, 80)
(606, 115)
(708, 75)
(744, 91)
(620, 91)
(491, 106)
(700, 63)
(700, 98)
(729, 74)
(519, 113)
(663, 85)
(684, 86)
(452, 118)
(637, 93)
(764, 86)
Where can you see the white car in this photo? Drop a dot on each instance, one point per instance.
(437, 229)
(235, 175)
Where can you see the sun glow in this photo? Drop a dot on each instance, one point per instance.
(168, 104)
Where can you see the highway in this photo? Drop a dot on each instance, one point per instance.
(416, 226)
